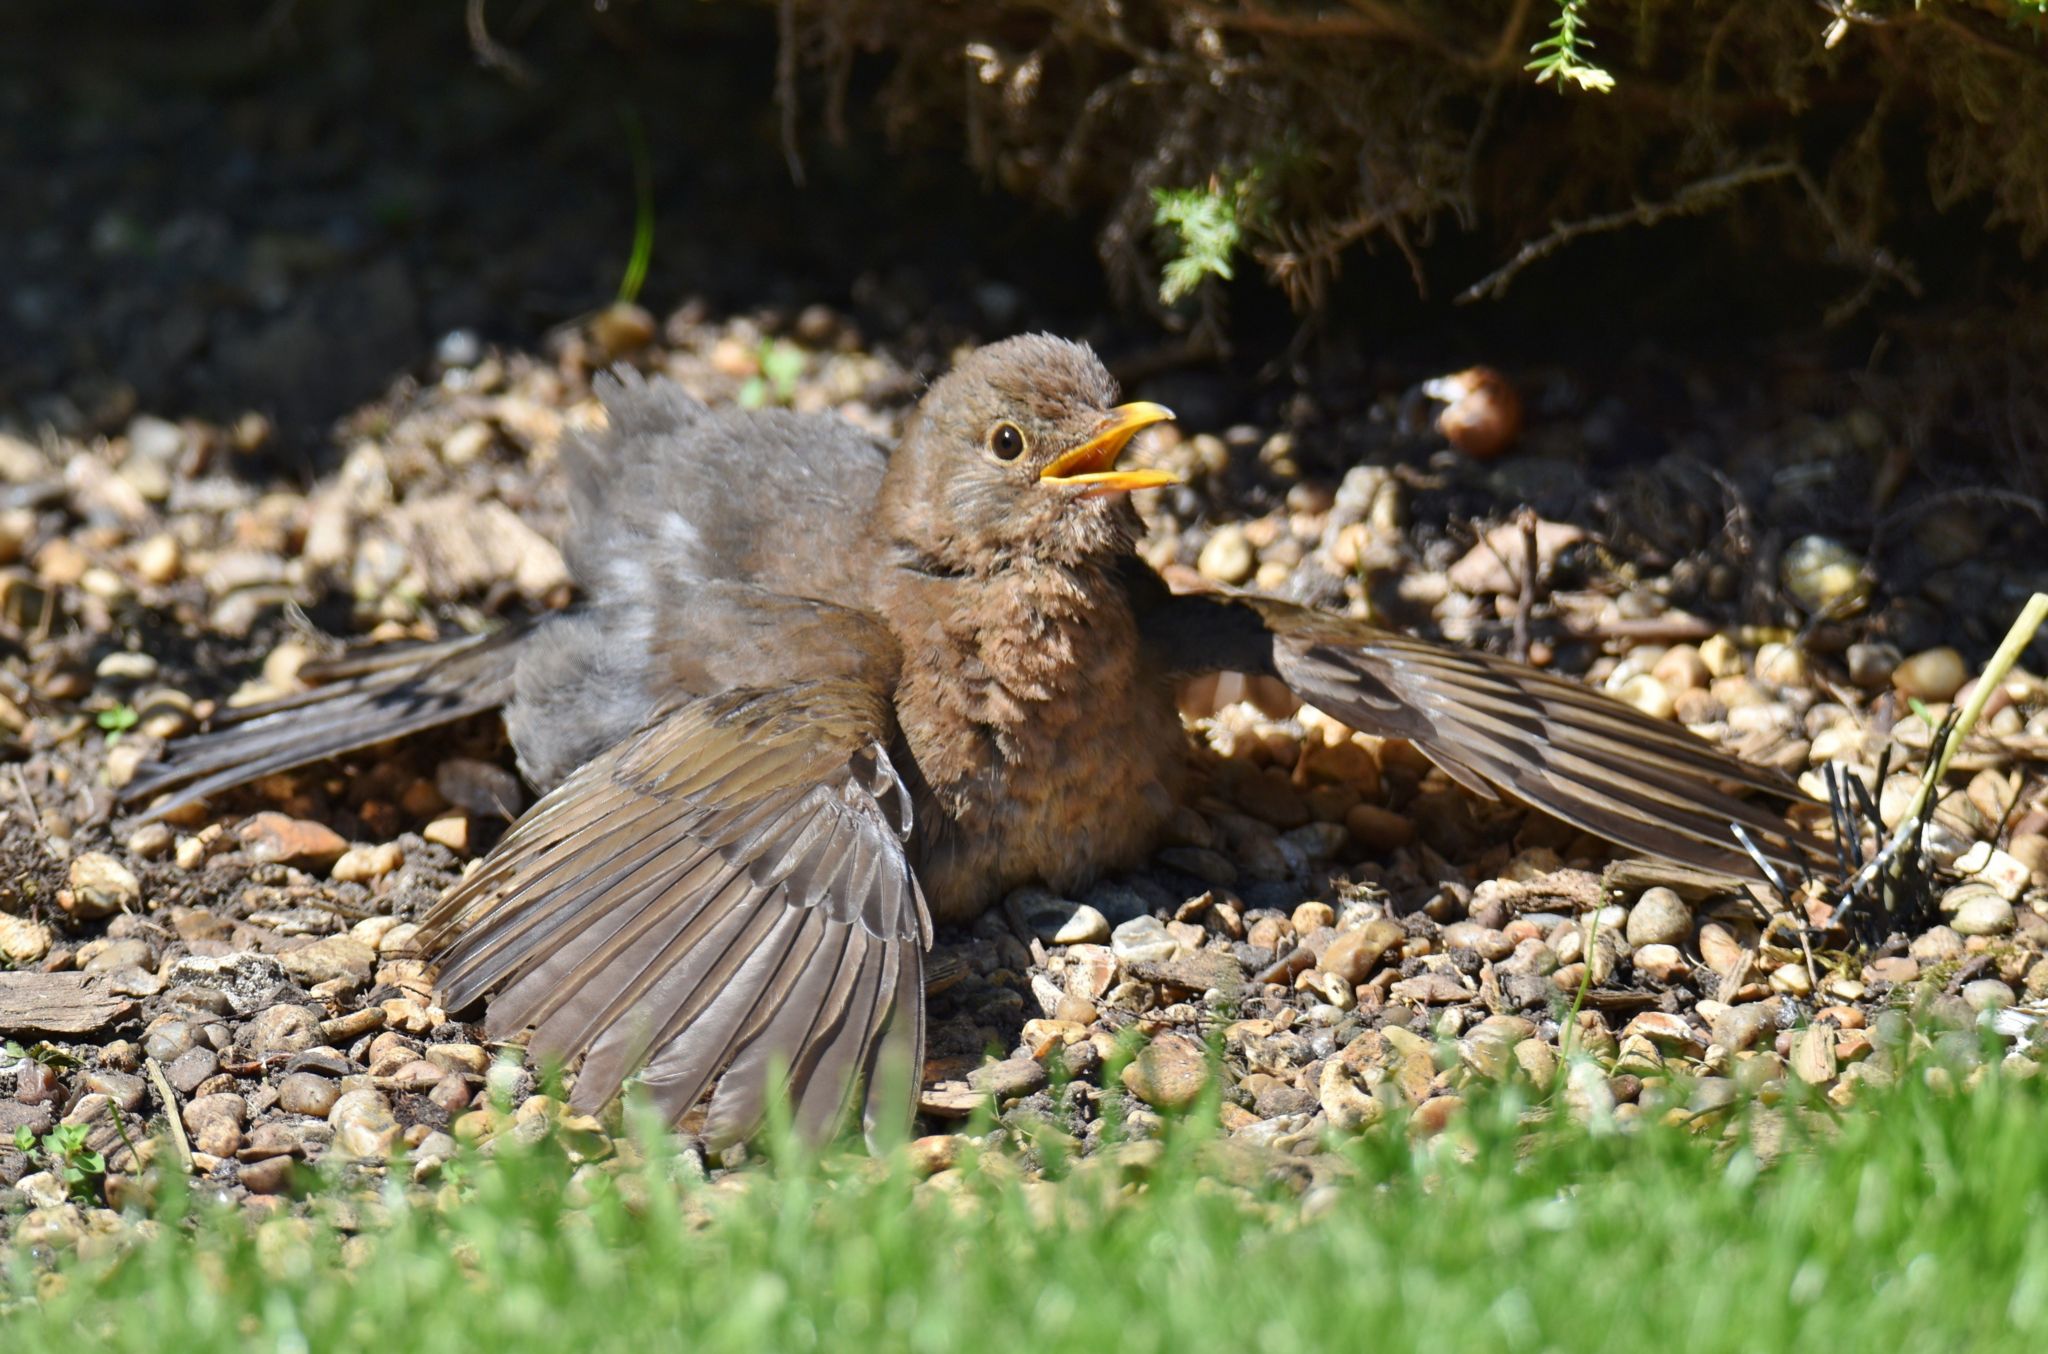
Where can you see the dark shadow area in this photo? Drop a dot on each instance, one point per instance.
(280, 207)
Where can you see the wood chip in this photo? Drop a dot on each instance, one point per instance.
(54, 1005)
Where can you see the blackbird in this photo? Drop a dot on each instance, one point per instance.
(818, 694)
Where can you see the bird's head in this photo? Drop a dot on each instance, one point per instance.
(1012, 454)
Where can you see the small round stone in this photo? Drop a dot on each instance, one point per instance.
(1981, 912)
(1987, 994)
(366, 864)
(1659, 917)
(1871, 665)
(1227, 557)
(305, 1093)
(281, 1029)
(1648, 694)
(100, 887)
(1931, 675)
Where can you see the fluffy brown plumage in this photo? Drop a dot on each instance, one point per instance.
(818, 692)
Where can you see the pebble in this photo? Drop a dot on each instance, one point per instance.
(363, 1125)
(1059, 921)
(1009, 1079)
(1168, 1073)
(167, 1040)
(1931, 675)
(1871, 665)
(306, 1093)
(1354, 954)
(100, 887)
(1792, 979)
(622, 327)
(1484, 941)
(1670, 1033)
(936, 1152)
(281, 1029)
(272, 837)
(1979, 910)
(1719, 949)
(246, 981)
(126, 667)
(105, 955)
(1680, 668)
(451, 832)
(1660, 962)
(1936, 945)
(1141, 939)
(1648, 694)
(330, 958)
(159, 559)
(1430, 989)
(468, 1059)
(1783, 665)
(1987, 994)
(23, 941)
(1434, 1115)
(1309, 917)
(215, 1123)
(124, 1090)
(366, 864)
(1737, 1028)
(1379, 829)
(190, 1069)
(1659, 917)
(1985, 864)
(151, 841)
(1227, 557)
(268, 1175)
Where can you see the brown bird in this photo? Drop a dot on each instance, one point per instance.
(818, 694)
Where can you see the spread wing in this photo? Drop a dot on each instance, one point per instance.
(367, 697)
(1493, 725)
(726, 890)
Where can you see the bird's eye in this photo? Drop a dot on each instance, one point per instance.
(1006, 441)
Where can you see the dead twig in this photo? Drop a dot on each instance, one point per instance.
(179, 1142)
(1690, 200)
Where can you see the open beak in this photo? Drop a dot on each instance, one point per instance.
(1092, 465)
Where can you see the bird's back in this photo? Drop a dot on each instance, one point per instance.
(674, 492)
(715, 550)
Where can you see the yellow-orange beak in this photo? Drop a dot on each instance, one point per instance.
(1091, 466)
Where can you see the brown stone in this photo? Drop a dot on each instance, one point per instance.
(274, 837)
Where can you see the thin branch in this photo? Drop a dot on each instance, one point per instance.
(1688, 201)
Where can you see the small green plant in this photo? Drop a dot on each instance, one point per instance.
(1207, 227)
(63, 1153)
(1562, 55)
(49, 1055)
(635, 275)
(117, 721)
(782, 365)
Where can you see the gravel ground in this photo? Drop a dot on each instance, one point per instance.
(1741, 545)
(1356, 936)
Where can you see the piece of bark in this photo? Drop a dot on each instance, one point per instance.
(47, 1005)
